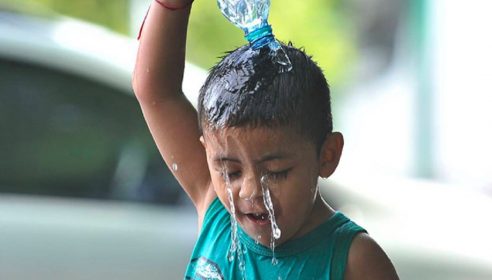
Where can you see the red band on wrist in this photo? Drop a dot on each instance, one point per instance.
(173, 8)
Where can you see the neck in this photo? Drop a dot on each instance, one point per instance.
(320, 213)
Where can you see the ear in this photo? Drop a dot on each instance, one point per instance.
(331, 151)
(202, 140)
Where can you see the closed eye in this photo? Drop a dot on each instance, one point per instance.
(230, 175)
(279, 175)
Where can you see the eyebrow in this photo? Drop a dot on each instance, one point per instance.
(220, 159)
(268, 157)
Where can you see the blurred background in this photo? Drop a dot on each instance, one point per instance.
(85, 195)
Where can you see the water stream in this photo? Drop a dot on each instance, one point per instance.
(234, 241)
(236, 247)
(267, 200)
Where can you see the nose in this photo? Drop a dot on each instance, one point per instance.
(251, 188)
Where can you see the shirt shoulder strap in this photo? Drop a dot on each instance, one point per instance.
(344, 235)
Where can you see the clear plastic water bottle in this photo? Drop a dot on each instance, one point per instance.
(252, 17)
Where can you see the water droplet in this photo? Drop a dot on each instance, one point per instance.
(258, 238)
(175, 167)
(277, 233)
(242, 267)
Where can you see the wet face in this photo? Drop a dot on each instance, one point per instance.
(254, 161)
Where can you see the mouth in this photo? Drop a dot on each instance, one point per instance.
(259, 218)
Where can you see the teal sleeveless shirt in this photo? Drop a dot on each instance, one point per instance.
(320, 254)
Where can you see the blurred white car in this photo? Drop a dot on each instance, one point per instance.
(84, 193)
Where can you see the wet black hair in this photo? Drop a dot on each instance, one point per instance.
(247, 89)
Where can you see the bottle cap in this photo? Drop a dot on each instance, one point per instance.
(260, 37)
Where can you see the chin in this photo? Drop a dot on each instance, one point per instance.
(263, 236)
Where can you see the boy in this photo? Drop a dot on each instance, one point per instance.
(251, 156)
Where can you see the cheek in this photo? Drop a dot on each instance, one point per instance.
(306, 183)
(221, 190)
(296, 196)
(311, 187)
(218, 184)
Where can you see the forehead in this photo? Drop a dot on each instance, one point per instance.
(257, 142)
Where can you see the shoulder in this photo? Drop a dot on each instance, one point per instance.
(367, 260)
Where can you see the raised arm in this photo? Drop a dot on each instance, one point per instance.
(171, 118)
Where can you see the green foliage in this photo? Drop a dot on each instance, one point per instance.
(110, 13)
(319, 26)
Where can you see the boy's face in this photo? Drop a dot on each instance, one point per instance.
(289, 165)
